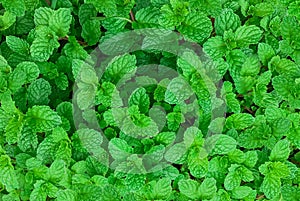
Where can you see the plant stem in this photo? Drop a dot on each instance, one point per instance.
(66, 38)
(132, 16)
(53, 4)
(121, 18)
(48, 2)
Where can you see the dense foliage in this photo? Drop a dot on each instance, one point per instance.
(149, 100)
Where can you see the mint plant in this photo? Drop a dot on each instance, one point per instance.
(149, 100)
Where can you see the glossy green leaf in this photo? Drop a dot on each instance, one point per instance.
(42, 118)
(17, 45)
(271, 186)
(140, 98)
(246, 35)
(196, 27)
(225, 21)
(215, 47)
(42, 16)
(120, 68)
(7, 20)
(281, 151)
(189, 188)
(239, 121)
(38, 92)
(91, 32)
(220, 144)
(60, 21)
(16, 7)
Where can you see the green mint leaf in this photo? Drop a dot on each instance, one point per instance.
(178, 91)
(207, 189)
(251, 67)
(90, 139)
(287, 27)
(192, 136)
(49, 148)
(8, 105)
(251, 158)
(237, 156)
(13, 130)
(194, 190)
(60, 21)
(8, 176)
(81, 118)
(74, 50)
(62, 81)
(147, 18)
(271, 186)
(174, 119)
(91, 32)
(225, 21)
(220, 144)
(155, 154)
(38, 92)
(173, 14)
(135, 182)
(162, 189)
(175, 153)
(246, 35)
(30, 69)
(241, 192)
(16, 7)
(39, 193)
(198, 162)
(28, 139)
(44, 44)
(277, 169)
(42, 118)
(16, 79)
(17, 45)
(105, 93)
(232, 180)
(265, 53)
(290, 192)
(215, 47)
(119, 149)
(231, 100)
(42, 16)
(7, 20)
(196, 27)
(239, 121)
(280, 84)
(120, 67)
(86, 12)
(140, 98)
(189, 188)
(165, 138)
(281, 126)
(216, 125)
(56, 170)
(4, 119)
(261, 9)
(281, 151)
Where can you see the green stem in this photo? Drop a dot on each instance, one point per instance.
(53, 4)
(121, 18)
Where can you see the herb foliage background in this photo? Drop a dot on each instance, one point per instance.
(250, 153)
